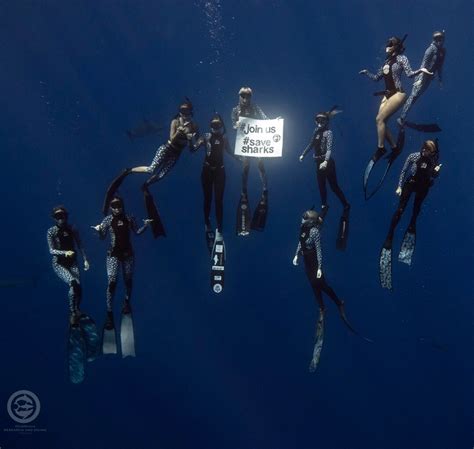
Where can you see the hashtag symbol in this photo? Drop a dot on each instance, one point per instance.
(246, 140)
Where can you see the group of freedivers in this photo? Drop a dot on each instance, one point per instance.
(417, 175)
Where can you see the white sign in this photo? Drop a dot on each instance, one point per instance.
(259, 138)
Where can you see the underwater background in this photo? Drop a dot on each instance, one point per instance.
(231, 370)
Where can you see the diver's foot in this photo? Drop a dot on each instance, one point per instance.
(379, 153)
(401, 122)
(208, 227)
(324, 210)
(74, 318)
(144, 188)
(387, 244)
(218, 235)
(126, 308)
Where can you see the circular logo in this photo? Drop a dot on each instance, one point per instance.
(276, 138)
(23, 406)
(217, 288)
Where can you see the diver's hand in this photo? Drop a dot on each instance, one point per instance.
(426, 71)
(438, 168)
(323, 165)
(363, 72)
(190, 136)
(279, 118)
(319, 273)
(237, 124)
(86, 265)
(69, 253)
(295, 261)
(96, 228)
(398, 191)
(148, 221)
(301, 158)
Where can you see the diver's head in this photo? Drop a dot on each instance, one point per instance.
(438, 38)
(217, 125)
(430, 149)
(116, 205)
(311, 217)
(322, 120)
(60, 214)
(245, 96)
(186, 109)
(394, 46)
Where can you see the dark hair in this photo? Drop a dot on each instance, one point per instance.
(57, 209)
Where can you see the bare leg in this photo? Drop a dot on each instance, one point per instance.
(387, 108)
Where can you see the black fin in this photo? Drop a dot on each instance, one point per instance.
(425, 128)
(243, 216)
(112, 190)
(260, 214)
(157, 227)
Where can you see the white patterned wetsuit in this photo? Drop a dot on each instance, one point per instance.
(120, 252)
(250, 111)
(433, 60)
(60, 240)
(168, 154)
(309, 246)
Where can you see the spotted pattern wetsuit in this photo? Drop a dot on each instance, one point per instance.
(422, 174)
(62, 239)
(309, 246)
(119, 253)
(250, 111)
(168, 154)
(321, 141)
(391, 71)
(213, 174)
(433, 60)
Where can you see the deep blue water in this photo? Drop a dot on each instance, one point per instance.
(230, 371)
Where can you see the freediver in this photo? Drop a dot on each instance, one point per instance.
(119, 255)
(423, 168)
(322, 142)
(433, 61)
(64, 243)
(393, 97)
(246, 108)
(213, 175)
(309, 246)
(183, 132)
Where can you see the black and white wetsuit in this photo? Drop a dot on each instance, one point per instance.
(250, 111)
(422, 173)
(322, 142)
(433, 60)
(213, 174)
(120, 252)
(391, 72)
(309, 246)
(168, 154)
(62, 239)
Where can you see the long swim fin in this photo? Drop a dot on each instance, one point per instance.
(342, 313)
(425, 128)
(91, 337)
(408, 246)
(157, 227)
(243, 216)
(260, 214)
(112, 190)
(127, 335)
(318, 345)
(109, 339)
(76, 349)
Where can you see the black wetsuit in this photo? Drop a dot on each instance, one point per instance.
(309, 246)
(321, 141)
(419, 182)
(213, 174)
(250, 111)
(62, 239)
(120, 252)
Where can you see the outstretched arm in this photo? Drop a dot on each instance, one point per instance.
(373, 77)
(411, 159)
(103, 228)
(308, 147)
(134, 227)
